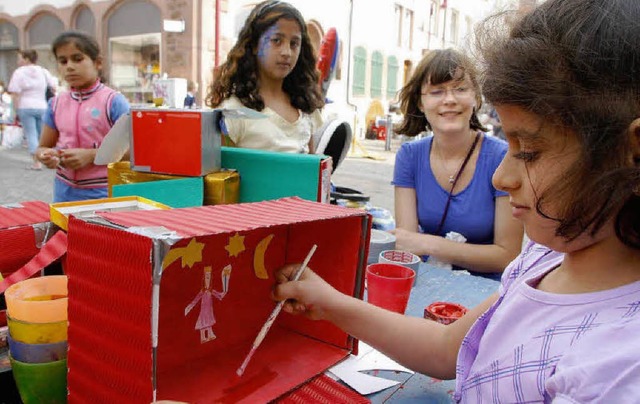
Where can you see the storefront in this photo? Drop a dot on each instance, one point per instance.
(136, 44)
(135, 33)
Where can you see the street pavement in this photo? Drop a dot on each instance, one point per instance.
(368, 169)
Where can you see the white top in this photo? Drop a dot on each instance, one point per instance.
(273, 132)
(30, 83)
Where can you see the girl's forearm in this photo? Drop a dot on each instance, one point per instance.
(480, 257)
(416, 343)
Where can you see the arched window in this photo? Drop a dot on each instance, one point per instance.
(392, 77)
(85, 21)
(359, 70)
(377, 61)
(9, 44)
(43, 29)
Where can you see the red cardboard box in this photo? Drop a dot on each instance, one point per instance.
(24, 228)
(166, 304)
(175, 141)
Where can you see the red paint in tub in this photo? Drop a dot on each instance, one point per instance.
(444, 312)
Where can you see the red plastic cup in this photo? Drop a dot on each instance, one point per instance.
(389, 286)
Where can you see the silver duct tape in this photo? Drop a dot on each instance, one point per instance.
(43, 232)
(378, 242)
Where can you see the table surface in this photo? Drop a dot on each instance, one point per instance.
(433, 284)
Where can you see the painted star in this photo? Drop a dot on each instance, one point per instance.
(236, 245)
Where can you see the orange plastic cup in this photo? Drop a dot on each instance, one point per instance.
(38, 300)
(389, 286)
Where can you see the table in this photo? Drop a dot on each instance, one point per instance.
(433, 284)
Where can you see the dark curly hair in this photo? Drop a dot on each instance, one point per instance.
(577, 64)
(437, 66)
(238, 75)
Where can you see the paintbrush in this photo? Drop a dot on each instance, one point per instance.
(272, 317)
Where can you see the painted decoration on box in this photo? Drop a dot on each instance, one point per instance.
(258, 258)
(206, 318)
(190, 255)
(236, 245)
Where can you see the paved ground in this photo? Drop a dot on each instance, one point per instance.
(368, 169)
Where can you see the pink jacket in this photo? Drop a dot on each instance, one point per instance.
(82, 120)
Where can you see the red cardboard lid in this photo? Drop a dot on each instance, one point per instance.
(23, 214)
(191, 222)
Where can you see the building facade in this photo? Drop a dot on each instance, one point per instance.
(142, 40)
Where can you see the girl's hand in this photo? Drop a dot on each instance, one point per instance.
(410, 241)
(48, 156)
(76, 158)
(310, 295)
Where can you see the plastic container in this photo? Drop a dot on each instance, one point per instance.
(37, 333)
(41, 382)
(389, 286)
(403, 258)
(444, 312)
(37, 353)
(38, 300)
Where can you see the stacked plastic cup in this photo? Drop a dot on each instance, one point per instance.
(37, 319)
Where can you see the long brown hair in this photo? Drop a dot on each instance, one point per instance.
(576, 63)
(238, 75)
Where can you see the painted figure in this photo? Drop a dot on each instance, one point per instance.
(206, 319)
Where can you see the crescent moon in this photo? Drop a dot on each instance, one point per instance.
(258, 258)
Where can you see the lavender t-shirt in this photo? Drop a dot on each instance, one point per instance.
(535, 346)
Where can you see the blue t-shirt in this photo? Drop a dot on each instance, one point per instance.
(472, 210)
(119, 107)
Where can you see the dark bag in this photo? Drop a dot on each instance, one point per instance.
(50, 92)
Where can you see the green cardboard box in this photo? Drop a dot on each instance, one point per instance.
(267, 175)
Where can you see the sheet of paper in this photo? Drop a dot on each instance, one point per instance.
(360, 382)
(116, 143)
(376, 360)
(349, 370)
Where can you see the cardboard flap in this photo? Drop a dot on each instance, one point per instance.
(53, 249)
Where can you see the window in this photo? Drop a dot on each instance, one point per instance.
(397, 18)
(453, 33)
(359, 69)
(377, 62)
(433, 18)
(135, 64)
(407, 29)
(85, 21)
(392, 77)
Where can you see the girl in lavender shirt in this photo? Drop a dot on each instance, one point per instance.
(564, 324)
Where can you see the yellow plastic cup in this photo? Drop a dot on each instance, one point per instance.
(38, 300)
(37, 333)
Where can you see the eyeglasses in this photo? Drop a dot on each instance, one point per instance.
(459, 93)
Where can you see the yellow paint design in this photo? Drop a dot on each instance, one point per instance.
(236, 245)
(258, 258)
(190, 254)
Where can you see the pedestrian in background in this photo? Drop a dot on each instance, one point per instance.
(190, 98)
(271, 69)
(28, 86)
(77, 120)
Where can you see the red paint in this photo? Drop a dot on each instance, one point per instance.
(444, 312)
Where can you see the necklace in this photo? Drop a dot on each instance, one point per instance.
(458, 171)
